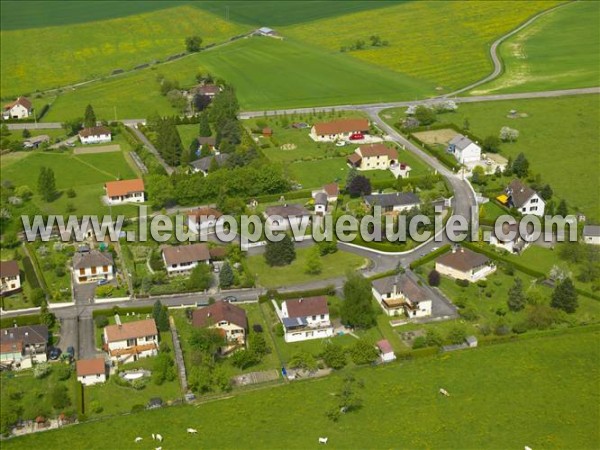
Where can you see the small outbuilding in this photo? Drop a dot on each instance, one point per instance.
(386, 352)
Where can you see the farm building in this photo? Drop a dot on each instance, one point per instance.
(21, 108)
(125, 191)
(338, 130)
(95, 135)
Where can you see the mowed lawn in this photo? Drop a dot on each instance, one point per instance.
(442, 43)
(559, 138)
(541, 392)
(267, 74)
(334, 265)
(65, 54)
(86, 174)
(560, 51)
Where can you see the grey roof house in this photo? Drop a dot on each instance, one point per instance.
(395, 201)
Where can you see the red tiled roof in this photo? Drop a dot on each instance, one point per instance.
(124, 187)
(385, 346)
(332, 189)
(131, 330)
(19, 101)
(11, 347)
(310, 306)
(377, 150)
(94, 131)
(207, 212)
(342, 126)
(218, 312)
(185, 253)
(93, 366)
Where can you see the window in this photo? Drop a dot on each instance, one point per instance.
(314, 317)
(533, 208)
(523, 209)
(322, 316)
(104, 268)
(534, 200)
(81, 271)
(94, 270)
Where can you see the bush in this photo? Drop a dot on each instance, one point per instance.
(457, 334)
(96, 407)
(334, 356)
(41, 370)
(63, 372)
(37, 296)
(101, 321)
(278, 330)
(433, 338)
(419, 342)
(434, 278)
(462, 283)
(139, 384)
(502, 329)
(519, 328)
(363, 353)
(137, 408)
(60, 397)
(59, 271)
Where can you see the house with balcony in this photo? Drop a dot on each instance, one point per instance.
(90, 265)
(21, 347)
(10, 279)
(130, 341)
(400, 294)
(230, 320)
(305, 318)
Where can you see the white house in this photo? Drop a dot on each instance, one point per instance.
(523, 198)
(386, 352)
(21, 108)
(394, 202)
(91, 371)
(338, 130)
(464, 149)
(331, 190)
(231, 320)
(305, 318)
(90, 266)
(591, 234)
(517, 244)
(10, 279)
(464, 264)
(203, 219)
(181, 259)
(95, 135)
(125, 191)
(400, 294)
(21, 347)
(130, 341)
(286, 216)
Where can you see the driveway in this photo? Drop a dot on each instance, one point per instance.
(83, 294)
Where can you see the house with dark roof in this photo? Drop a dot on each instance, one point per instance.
(513, 239)
(464, 149)
(21, 347)
(130, 341)
(90, 266)
(464, 264)
(401, 294)
(591, 234)
(21, 108)
(207, 163)
(281, 217)
(202, 219)
(95, 135)
(393, 202)
(91, 371)
(339, 130)
(230, 320)
(305, 318)
(181, 259)
(524, 199)
(209, 90)
(125, 191)
(10, 279)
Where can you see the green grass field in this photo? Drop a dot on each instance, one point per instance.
(84, 173)
(560, 51)
(335, 264)
(559, 135)
(492, 405)
(449, 50)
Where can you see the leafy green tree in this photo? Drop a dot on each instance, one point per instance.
(425, 115)
(520, 166)
(491, 144)
(243, 359)
(516, 296)
(46, 317)
(280, 253)
(363, 353)
(546, 192)
(226, 276)
(59, 396)
(466, 124)
(204, 126)
(434, 278)
(258, 344)
(359, 185)
(303, 360)
(457, 334)
(47, 184)
(193, 44)
(314, 265)
(565, 296)
(37, 296)
(200, 278)
(334, 356)
(206, 340)
(433, 338)
(562, 209)
(26, 133)
(89, 118)
(4, 131)
(357, 308)
(160, 190)
(160, 314)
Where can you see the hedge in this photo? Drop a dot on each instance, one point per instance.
(30, 275)
(43, 111)
(389, 273)
(430, 257)
(327, 290)
(418, 353)
(493, 255)
(128, 309)
(79, 399)
(29, 319)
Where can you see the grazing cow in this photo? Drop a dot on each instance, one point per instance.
(138, 439)
(153, 437)
(527, 448)
(159, 438)
(444, 392)
(192, 430)
(158, 448)
(323, 440)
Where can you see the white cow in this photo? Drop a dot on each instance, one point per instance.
(158, 448)
(323, 440)
(527, 448)
(159, 438)
(192, 430)
(138, 439)
(153, 437)
(444, 392)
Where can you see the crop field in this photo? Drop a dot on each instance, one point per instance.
(560, 51)
(84, 173)
(89, 50)
(426, 41)
(494, 407)
(433, 137)
(557, 133)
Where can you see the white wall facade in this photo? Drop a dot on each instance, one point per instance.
(535, 206)
(16, 112)
(95, 139)
(470, 275)
(89, 380)
(134, 197)
(9, 284)
(593, 240)
(471, 153)
(93, 274)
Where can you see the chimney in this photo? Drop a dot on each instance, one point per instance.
(27, 333)
(453, 249)
(208, 314)
(300, 300)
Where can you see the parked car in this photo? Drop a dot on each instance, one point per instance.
(71, 351)
(357, 136)
(340, 143)
(102, 282)
(230, 299)
(54, 353)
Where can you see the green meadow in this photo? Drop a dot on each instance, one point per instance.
(501, 396)
(559, 137)
(560, 51)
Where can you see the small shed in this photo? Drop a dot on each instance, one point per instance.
(471, 341)
(386, 352)
(267, 132)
